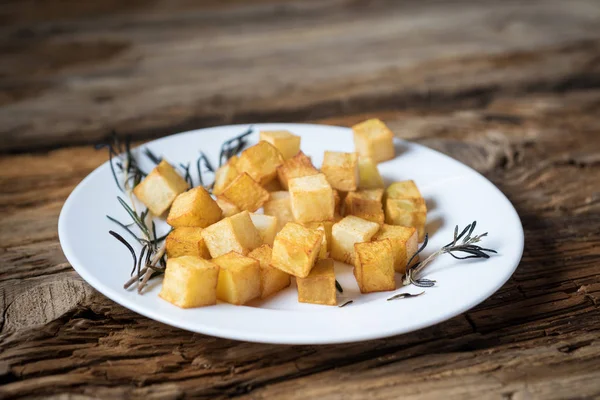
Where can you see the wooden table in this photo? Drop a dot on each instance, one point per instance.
(511, 90)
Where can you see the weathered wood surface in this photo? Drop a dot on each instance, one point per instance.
(512, 91)
(71, 71)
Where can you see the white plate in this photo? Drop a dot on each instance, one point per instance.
(455, 195)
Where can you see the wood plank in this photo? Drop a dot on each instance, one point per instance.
(537, 337)
(150, 70)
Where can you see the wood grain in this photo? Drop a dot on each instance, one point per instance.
(159, 68)
(511, 90)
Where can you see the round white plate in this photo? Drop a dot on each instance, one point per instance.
(455, 195)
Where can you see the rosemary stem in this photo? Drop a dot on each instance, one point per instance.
(418, 268)
(159, 253)
(144, 281)
(133, 279)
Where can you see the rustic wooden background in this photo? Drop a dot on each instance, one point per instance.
(510, 89)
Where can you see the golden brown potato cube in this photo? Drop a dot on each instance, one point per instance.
(186, 241)
(296, 248)
(374, 266)
(266, 226)
(272, 280)
(323, 253)
(298, 166)
(245, 193)
(228, 208)
(341, 170)
(407, 212)
(404, 242)
(159, 189)
(190, 282)
(279, 206)
(225, 175)
(236, 233)
(194, 208)
(346, 233)
(369, 176)
(273, 186)
(319, 286)
(337, 204)
(327, 226)
(372, 138)
(287, 143)
(311, 198)
(260, 162)
(361, 205)
(371, 194)
(403, 190)
(239, 278)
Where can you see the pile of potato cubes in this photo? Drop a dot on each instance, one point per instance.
(221, 248)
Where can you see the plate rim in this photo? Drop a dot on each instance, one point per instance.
(266, 338)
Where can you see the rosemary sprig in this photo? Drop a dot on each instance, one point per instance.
(152, 254)
(234, 145)
(467, 245)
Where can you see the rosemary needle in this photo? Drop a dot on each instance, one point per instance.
(126, 243)
(404, 295)
(346, 303)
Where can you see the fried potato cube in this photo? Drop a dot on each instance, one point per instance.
(369, 176)
(273, 186)
(287, 143)
(190, 282)
(236, 233)
(372, 194)
(323, 253)
(361, 205)
(298, 166)
(260, 162)
(319, 286)
(266, 226)
(403, 190)
(272, 280)
(311, 198)
(404, 242)
(194, 208)
(186, 241)
(337, 204)
(245, 193)
(159, 189)
(327, 226)
(374, 266)
(296, 248)
(407, 212)
(346, 233)
(239, 278)
(227, 207)
(279, 206)
(372, 138)
(341, 170)
(224, 175)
